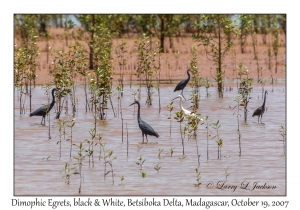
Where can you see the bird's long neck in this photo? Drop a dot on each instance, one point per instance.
(138, 115)
(265, 99)
(189, 76)
(53, 99)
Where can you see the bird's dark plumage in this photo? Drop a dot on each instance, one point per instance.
(260, 111)
(145, 127)
(181, 85)
(42, 111)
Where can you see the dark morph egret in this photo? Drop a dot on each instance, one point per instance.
(260, 111)
(42, 111)
(181, 85)
(145, 128)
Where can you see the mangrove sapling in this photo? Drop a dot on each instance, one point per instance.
(282, 132)
(120, 105)
(79, 160)
(207, 85)
(193, 122)
(140, 162)
(90, 151)
(159, 152)
(245, 89)
(172, 151)
(220, 145)
(253, 32)
(63, 77)
(226, 173)
(102, 144)
(98, 138)
(216, 45)
(68, 172)
(170, 109)
(238, 100)
(20, 66)
(122, 61)
(110, 158)
(146, 61)
(197, 171)
(62, 131)
(158, 68)
(207, 127)
(71, 125)
(275, 45)
(47, 158)
(122, 179)
(157, 166)
(195, 79)
(219, 141)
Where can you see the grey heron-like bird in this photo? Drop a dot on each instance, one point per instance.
(260, 111)
(181, 85)
(145, 128)
(42, 111)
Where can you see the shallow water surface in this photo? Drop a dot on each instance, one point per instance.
(262, 163)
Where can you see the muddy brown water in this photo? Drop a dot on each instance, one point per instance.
(262, 163)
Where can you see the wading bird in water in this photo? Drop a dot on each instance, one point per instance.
(181, 85)
(260, 111)
(145, 128)
(42, 111)
(185, 111)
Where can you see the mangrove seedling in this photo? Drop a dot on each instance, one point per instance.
(216, 126)
(110, 158)
(140, 161)
(62, 131)
(47, 158)
(207, 85)
(79, 160)
(191, 128)
(157, 167)
(237, 114)
(245, 88)
(170, 109)
(144, 174)
(207, 134)
(198, 177)
(68, 172)
(122, 179)
(172, 151)
(220, 145)
(195, 79)
(71, 125)
(226, 173)
(159, 152)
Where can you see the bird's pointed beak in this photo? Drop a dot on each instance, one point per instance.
(174, 98)
(132, 104)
